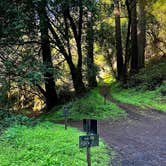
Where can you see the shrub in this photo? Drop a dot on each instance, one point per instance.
(8, 119)
(150, 77)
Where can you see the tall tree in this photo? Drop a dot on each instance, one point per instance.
(91, 70)
(62, 17)
(134, 46)
(19, 52)
(50, 92)
(118, 41)
(127, 47)
(141, 34)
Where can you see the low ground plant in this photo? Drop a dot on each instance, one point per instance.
(93, 105)
(47, 144)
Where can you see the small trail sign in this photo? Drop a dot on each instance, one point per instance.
(89, 140)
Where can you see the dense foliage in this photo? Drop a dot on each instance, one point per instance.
(150, 77)
(8, 119)
(50, 48)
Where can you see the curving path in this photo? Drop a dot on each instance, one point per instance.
(139, 139)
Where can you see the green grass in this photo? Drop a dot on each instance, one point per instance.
(90, 106)
(140, 97)
(47, 144)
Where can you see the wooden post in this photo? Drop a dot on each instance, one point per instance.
(65, 122)
(88, 156)
(88, 147)
(66, 116)
(105, 96)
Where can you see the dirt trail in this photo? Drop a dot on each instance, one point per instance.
(139, 139)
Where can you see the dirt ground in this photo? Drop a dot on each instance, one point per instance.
(139, 139)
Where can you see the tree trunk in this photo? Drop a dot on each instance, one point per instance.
(91, 71)
(118, 41)
(76, 74)
(77, 81)
(50, 92)
(128, 43)
(75, 70)
(134, 49)
(141, 34)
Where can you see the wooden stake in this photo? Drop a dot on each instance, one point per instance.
(88, 147)
(88, 156)
(65, 123)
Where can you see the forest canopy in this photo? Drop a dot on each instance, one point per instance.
(53, 50)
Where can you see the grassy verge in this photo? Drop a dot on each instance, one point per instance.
(90, 106)
(46, 144)
(142, 98)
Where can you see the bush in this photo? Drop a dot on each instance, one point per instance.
(8, 119)
(150, 77)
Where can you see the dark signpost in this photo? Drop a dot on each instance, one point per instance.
(105, 96)
(66, 114)
(90, 126)
(91, 139)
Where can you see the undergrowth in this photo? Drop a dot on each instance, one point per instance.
(140, 97)
(150, 77)
(8, 119)
(90, 106)
(47, 144)
(146, 88)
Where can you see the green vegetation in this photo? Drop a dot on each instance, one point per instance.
(142, 98)
(145, 89)
(90, 106)
(52, 52)
(151, 77)
(8, 119)
(46, 144)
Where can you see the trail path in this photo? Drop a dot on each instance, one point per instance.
(139, 139)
